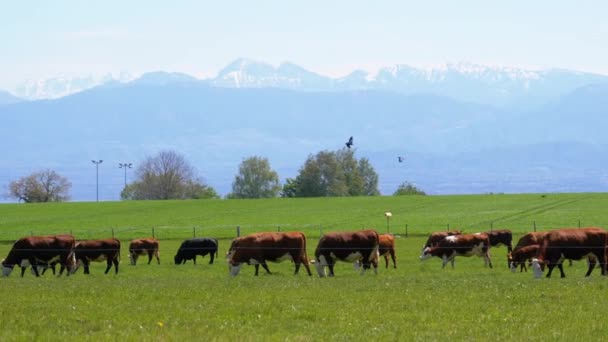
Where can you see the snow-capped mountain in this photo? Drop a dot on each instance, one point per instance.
(53, 88)
(245, 73)
(462, 81)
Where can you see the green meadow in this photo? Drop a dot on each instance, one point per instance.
(416, 301)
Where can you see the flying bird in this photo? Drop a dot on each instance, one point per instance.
(400, 159)
(349, 143)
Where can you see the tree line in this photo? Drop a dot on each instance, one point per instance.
(168, 175)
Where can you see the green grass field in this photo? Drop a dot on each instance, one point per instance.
(416, 301)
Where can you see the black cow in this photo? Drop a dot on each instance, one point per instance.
(198, 246)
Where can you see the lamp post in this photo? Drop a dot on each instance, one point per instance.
(97, 162)
(125, 166)
(388, 215)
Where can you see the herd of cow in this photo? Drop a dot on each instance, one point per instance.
(363, 248)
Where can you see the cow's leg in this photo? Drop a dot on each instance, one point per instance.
(386, 260)
(488, 261)
(330, 265)
(592, 262)
(194, 259)
(157, 254)
(85, 264)
(550, 266)
(305, 262)
(115, 261)
(34, 267)
(211, 256)
(445, 261)
(394, 260)
(109, 265)
(150, 256)
(561, 269)
(265, 266)
(257, 268)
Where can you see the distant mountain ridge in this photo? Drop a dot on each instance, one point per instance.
(496, 86)
(449, 146)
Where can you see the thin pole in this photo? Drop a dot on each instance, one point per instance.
(97, 162)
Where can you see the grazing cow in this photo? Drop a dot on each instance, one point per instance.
(40, 250)
(436, 237)
(386, 247)
(257, 248)
(190, 248)
(359, 246)
(145, 246)
(572, 243)
(528, 239)
(98, 250)
(460, 245)
(501, 237)
(520, 255)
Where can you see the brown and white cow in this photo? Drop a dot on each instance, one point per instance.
(146, 246)
(40, 250)
(258, 248)
(528, 239)
(501, 237)
(359, 246)
(571, 243)
(460, 245)
(520, 255)
(436, 237)
(97, 250)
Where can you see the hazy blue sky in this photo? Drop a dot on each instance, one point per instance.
(46, 38)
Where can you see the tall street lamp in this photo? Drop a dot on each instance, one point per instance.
(125, 166)
(97, 162)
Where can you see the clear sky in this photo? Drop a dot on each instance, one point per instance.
(41, 39)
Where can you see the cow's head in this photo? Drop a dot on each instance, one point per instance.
(511, 263)
(133, 258)
(6, 269)
(178, 259)
(426, 253)
(537, 268)
(234, 267)
(320, 265)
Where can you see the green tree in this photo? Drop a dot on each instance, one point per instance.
(255, 180)
(167, 175)
(407, 188)
(336, 174)
(40, 186)
(290, 188)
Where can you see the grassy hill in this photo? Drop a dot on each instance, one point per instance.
(421, 214)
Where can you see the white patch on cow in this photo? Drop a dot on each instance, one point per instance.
(425, 254)
(24, 263)
(538, 272)
(352, 257)
(6, 270)
(357, 265)
(451, 238)
(235, 269)
(321, 266)
(287, 256)
(252, 261)
(513, 267)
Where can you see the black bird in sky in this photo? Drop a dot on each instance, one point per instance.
(400, 159)
(349, 143)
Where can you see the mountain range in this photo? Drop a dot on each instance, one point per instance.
(449, 145)
(496, 86)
